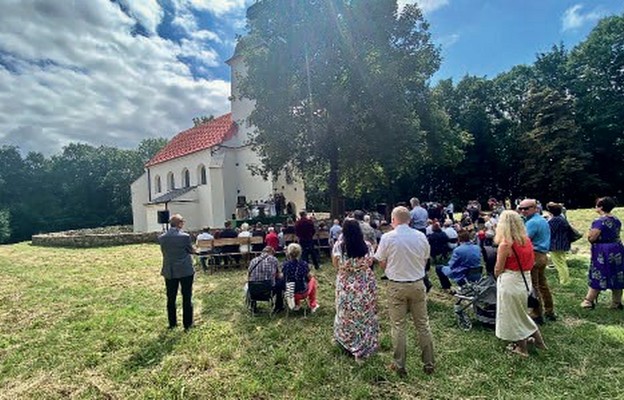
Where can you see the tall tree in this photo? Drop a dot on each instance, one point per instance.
(337, 86)
(597, 65)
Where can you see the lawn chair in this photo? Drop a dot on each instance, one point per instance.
(259, 291)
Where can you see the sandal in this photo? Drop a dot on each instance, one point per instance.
(588, 304)
(515, 349)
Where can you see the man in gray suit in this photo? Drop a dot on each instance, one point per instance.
(177, 269)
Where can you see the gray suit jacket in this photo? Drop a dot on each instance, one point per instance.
(176, 247)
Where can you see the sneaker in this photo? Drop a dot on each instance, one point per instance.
(428, 369)
(316, 307)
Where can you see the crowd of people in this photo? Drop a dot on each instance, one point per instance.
(513, 244)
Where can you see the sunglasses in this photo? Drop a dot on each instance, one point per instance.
(525, 208)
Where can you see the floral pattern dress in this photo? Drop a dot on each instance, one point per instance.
(356, 326)
(606, 270)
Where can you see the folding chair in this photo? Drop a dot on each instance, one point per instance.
(259, 291)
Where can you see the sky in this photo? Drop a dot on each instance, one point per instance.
(114, 72)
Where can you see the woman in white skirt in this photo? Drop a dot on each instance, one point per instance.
(514, 258)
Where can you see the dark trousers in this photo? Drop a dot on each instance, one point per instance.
(187, 305)
(307, 250)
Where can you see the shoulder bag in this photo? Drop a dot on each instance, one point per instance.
(532, 300)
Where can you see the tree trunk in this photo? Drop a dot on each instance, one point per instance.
(336, 200)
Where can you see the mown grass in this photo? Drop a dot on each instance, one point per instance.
(91, 324)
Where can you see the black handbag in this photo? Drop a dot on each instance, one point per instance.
(573, 234)
(532, 299)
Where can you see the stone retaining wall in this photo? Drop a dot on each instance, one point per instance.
(63, 239)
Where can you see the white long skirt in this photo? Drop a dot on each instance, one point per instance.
(513, 322)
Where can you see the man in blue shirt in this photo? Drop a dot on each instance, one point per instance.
(334, 232)
(418, 216)
(464, 265)
(539, 232)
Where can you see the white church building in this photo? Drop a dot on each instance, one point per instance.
(203, 174)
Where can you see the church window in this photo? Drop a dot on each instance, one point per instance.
(186, 177)
(157, 184)
(202, 175)
(170, 181)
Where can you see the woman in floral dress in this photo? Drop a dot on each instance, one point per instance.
(606, 270)
(356, 327)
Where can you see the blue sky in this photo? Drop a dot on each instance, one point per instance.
(112, 73)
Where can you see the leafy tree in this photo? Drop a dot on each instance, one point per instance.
(5, 226)
(202, 120)
(554, 167)
(597, 68)
(340, 86)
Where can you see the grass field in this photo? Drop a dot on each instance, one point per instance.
(91, 324)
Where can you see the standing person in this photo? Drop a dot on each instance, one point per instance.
(367, 230)
(539, 233)
(304, 229)
(177, 269)
(418, 215)
(606, 270)
(559, 241)
(334, 232)
(356, 327)
(514, 259)
(403, 253)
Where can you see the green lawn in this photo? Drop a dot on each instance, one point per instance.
(91, 324)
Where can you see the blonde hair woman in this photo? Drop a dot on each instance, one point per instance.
(296, 271)
(514, 262)
(244, 233)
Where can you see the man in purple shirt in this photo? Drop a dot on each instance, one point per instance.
(304, 229)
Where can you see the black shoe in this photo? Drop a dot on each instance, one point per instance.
(384, 278)
(428, 369)
(551, 317)
(172, 327)
(278, 310)
(538, 320)
(188, 328)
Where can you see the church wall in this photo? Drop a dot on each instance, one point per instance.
(191, 162)
(139, 194)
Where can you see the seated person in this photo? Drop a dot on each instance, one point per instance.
(272, 239)
(264, 268)
(438, 242)
(229, 233)
(204, 235)
(296, 271)
(451, 233)
(464, 265)
(244, 233)
(258, 231)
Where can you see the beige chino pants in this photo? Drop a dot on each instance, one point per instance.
(404, 298)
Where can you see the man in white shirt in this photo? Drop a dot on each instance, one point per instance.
(203, 252)
(403, 253)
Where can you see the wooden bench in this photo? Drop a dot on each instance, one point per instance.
(215, 253)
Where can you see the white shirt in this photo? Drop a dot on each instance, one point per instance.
(204, 236)
(452, 234)
(243, 248)
(405, 252)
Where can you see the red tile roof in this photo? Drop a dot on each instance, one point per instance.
(198, 138)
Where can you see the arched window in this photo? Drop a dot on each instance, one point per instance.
(186, 178)
(170, 181)
(201, 173)
(157, 184)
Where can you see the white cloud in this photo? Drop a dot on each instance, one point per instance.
(73, 72)
(147, 12)
(448, 40)
(427, 6)
(574, 18)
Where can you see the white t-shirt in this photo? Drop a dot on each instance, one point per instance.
(405, 252)
(244, 248)
(204, 236)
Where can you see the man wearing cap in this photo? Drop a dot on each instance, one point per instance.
(177, 269)
(539, 233)
(403, 253)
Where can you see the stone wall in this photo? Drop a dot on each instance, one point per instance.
(77, 240)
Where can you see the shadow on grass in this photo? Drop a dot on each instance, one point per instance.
(152, 352)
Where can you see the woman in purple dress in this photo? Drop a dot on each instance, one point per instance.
(356, 327)
(606, 270)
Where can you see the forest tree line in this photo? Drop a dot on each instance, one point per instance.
(553, 130)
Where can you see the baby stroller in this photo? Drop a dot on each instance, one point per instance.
(481, 298)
